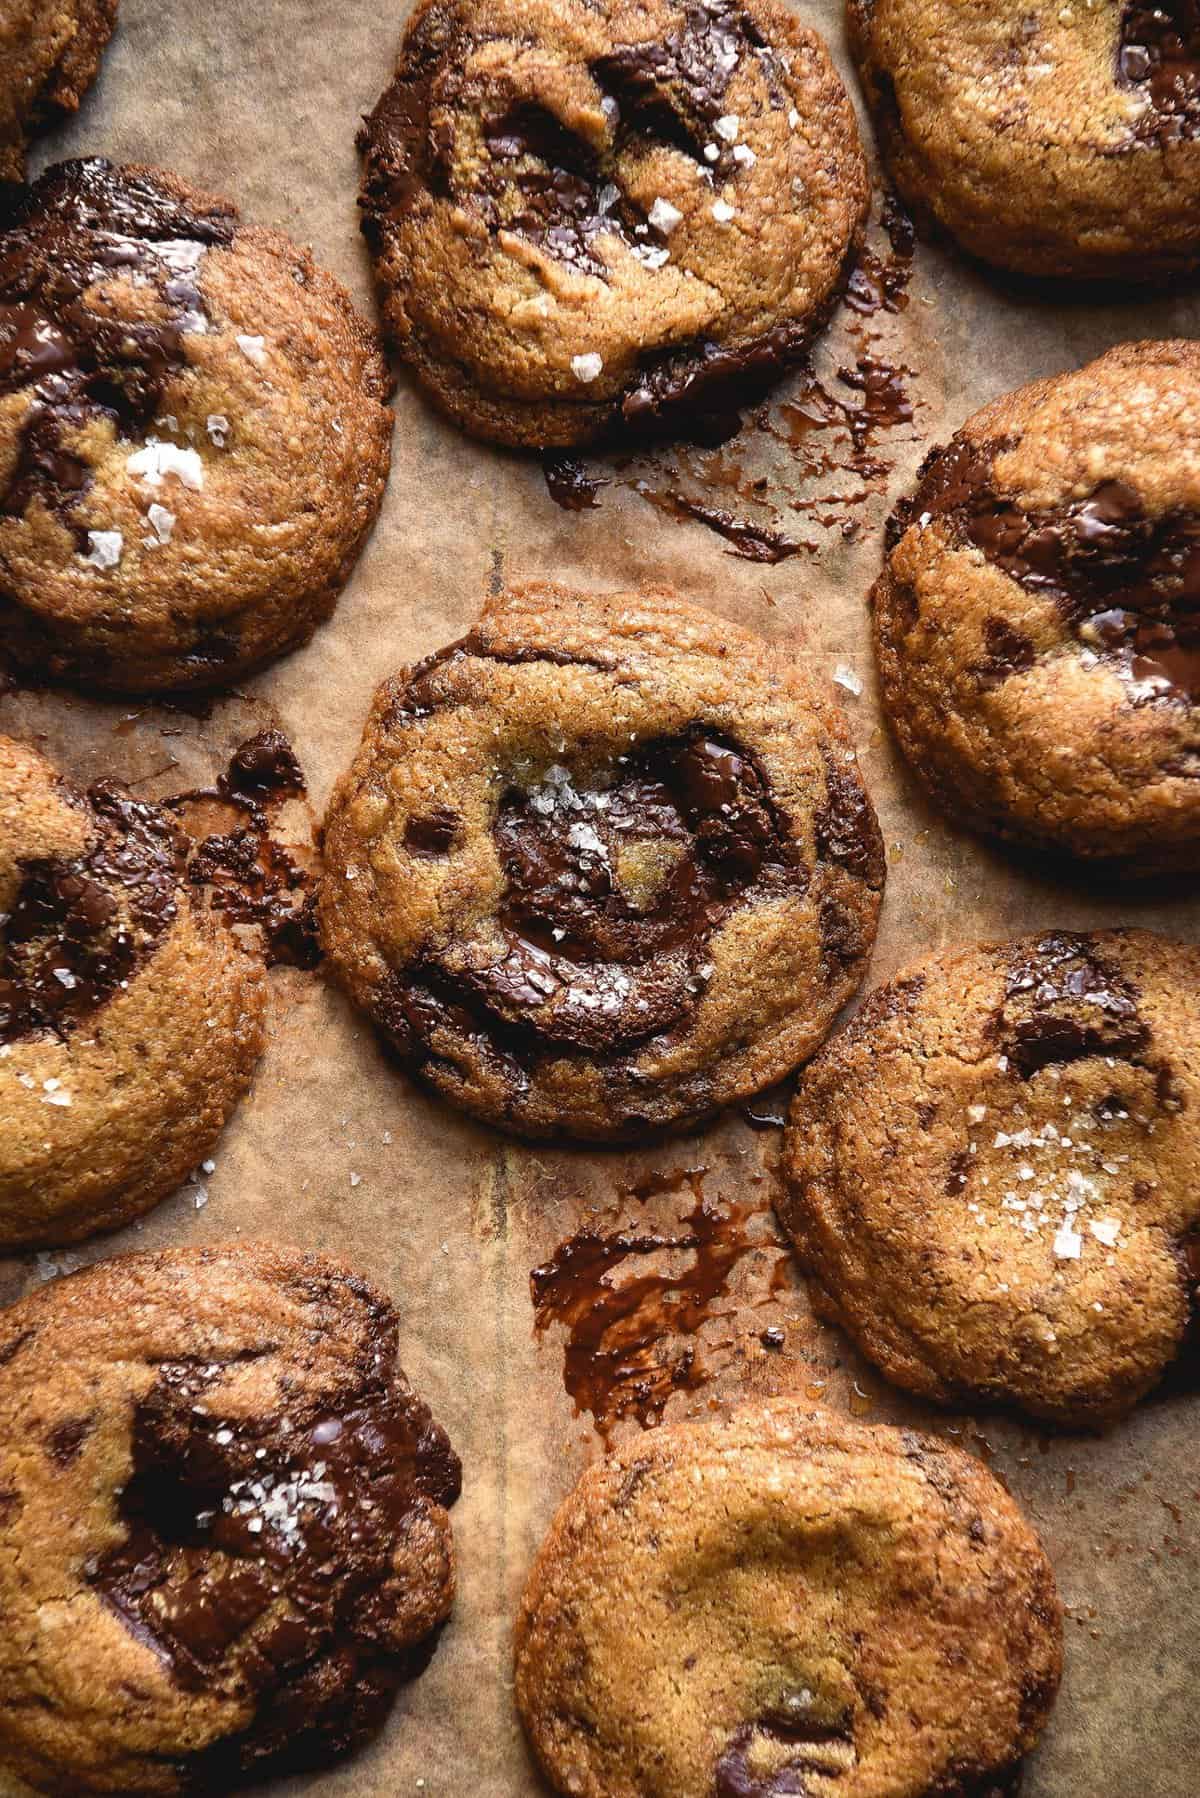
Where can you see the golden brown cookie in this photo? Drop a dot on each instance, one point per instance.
(130, 1023)
(49, 54)
(590, 219)
(225, 1540)
(603, 865)
(193, 433)
(1049, 139)
(992, 1172)
(1038, 618)
(787, 1605)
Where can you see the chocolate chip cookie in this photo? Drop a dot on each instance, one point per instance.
(193, 433)
(603, 865)
(786, 1603)
(1048, 139)
(591, 219)
(49, 54)
(226, 1540)
(992, 1172)
(130, 1023)
(1038, 619)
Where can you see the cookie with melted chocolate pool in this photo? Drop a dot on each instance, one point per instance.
(225, 1519)
(1048, 139)
(194, 437)
(786, 1603)
(591, 220)
(991, 1174)
(50, 52)
(130, 1022)
(1037, 622)
(602, 866)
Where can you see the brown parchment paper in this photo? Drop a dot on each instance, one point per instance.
(335, 1150)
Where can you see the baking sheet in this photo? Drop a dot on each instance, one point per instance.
(335, 1150)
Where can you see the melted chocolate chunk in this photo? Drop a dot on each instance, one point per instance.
(614, 887)
(1128, 584)
(82, 224)
(433, 833)
(1064, 1002)
(847, 832)
(822, 1747)
(78, 930)
(65, 1443)
(258, 1555)
(265, 767)
(1158, 55)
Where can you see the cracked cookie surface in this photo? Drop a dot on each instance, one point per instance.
(785, 1603)
(194, 437)
(1037, 623)
(991, 1173)
(50, 53)
(1048, 139)
(602, 866)
(592, 220)
(226, 1539)
(130, 1022)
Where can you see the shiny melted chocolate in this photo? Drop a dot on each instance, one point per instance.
(1128, 584)
(259, 1555)
(80, 225)
(615, 883)
(1158, 55)
(78, 930)
(1064, 1002)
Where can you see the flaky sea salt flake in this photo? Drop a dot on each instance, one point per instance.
(104, 549)
(664, 217)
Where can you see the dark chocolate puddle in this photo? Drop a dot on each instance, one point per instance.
(633, 1317)
(257, 1558)
(616, 880)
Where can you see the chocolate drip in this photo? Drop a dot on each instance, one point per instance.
(614, 887)
(1158, 55)
(78, 930)
(83, 224)
(1064, 1002)
(570, 485)
(1127, 584)
(258, 1555)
